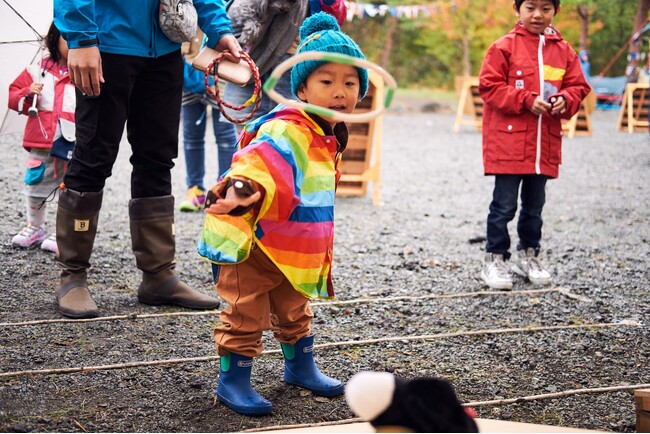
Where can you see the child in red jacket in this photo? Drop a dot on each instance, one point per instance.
(530, 80)
(44, 93)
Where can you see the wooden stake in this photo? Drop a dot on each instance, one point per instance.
(642, 401)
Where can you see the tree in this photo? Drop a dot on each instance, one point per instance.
(429, 51)
(615, 21)
(584, 9)
(640, 20)
(583, 12)
(469, 27)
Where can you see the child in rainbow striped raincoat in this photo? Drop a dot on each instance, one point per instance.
(270, 224)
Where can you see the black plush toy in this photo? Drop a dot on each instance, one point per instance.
(392, 404)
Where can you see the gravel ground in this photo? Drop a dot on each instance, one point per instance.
(419, 242)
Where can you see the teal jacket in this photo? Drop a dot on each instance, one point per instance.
(194, 80)
(131, 27)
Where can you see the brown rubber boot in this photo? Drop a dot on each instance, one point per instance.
(76, 226)
(154, 246)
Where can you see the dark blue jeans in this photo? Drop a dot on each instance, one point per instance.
(237, 95)
(194, 120)
(504, 207)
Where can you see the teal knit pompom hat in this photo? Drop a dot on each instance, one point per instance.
(321, 32)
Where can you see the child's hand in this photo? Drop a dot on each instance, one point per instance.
(540, 106)
(237, 195)
(558, 104)
(35, 88)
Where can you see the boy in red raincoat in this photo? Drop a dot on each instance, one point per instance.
(530, 80)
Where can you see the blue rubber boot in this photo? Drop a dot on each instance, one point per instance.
(300, 369)
(235, 388)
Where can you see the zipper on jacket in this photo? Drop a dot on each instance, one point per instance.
(540, 66)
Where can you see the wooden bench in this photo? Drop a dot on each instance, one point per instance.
(633, 115)
(580, 123)
(362, 157)
(470, 104)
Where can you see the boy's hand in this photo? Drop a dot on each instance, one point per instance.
(540, 106)
(558, 105)
(35, 88)
(239, 194)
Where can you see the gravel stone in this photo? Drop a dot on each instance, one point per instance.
(425, 239)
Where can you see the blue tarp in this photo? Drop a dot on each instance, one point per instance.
(609, 91)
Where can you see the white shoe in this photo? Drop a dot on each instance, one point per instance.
(49, 244)
(30, 236)
(528, 265)
(495, 272)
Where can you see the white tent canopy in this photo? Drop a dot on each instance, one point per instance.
(19, 47)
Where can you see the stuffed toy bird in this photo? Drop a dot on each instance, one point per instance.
(392, 404)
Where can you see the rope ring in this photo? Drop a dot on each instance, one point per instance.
(255, 99)
(269, 86)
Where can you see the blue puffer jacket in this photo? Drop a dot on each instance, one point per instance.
(131, 27)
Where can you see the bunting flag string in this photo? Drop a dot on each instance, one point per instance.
(370, 10)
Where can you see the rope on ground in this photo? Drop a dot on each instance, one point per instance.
(132, 317)
(470, 404)
(321, 346)
(58, 371)
(476, 333)
(557, 395)
(435, 296)
(304, 425)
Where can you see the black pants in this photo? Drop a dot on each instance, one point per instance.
(145, 94)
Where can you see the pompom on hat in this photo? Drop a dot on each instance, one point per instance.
(321, 32)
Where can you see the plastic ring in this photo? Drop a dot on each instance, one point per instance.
(272, 81)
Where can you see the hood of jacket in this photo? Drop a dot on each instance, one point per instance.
(282, 112)
(550, 33)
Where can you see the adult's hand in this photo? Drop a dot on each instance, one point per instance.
(85, 69)
(229, 43)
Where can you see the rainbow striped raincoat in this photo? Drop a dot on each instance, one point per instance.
(288, 154)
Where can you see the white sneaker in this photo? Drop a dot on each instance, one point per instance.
(30, 236)
(528, 265)
(495, 272)
(49, 245)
